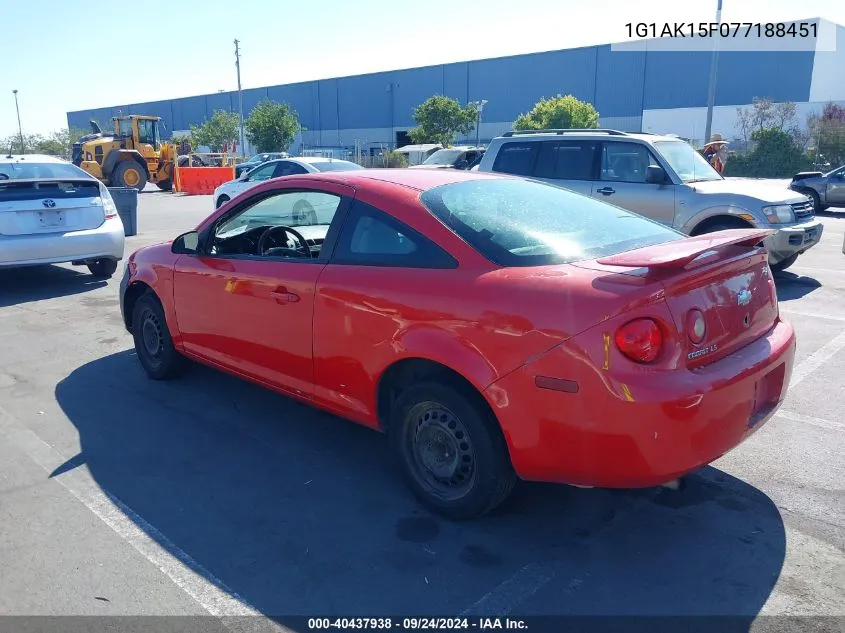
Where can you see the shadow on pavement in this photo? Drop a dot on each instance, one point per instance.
(36, 283)
(299, 512)
(792, 286)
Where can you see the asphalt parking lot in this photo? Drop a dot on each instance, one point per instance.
(210, 496)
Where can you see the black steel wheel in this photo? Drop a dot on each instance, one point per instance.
(451, 452)
(153, 344)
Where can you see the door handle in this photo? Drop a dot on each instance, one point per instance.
(283, 296)
(606, 191)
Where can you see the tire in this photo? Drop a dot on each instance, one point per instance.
(129, 174)
(103, 268)
(784, 264)
(721, 226)
(165, 185)
(153, 344)
(222, 200)
(481, 474)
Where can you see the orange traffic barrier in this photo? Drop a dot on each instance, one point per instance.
(197, 181)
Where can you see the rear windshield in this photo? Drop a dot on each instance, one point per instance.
(523, 223)
(336, 165)
(26, 170)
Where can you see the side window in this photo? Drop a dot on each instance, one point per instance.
(265, 172)
(516, 158)
(372, 238)
(288, 169)
(125, 127)
(625, 162)
(566, 160)
(290, 208)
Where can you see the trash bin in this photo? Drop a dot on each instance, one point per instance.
(126, 201)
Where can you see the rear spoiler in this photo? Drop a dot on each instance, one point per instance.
(679, 253)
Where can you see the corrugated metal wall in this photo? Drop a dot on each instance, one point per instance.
(621, 84)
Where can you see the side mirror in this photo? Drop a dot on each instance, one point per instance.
(655, 175)
(186, 244)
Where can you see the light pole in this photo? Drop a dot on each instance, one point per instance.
(240, 97)
(479, 106)
(714, 61)
(18, 110)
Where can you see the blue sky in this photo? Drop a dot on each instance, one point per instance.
(73, 54)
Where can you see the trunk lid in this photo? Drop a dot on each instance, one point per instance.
(31, 207)
(725, 276)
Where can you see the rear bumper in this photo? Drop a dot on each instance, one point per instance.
(104, 242)
(631, 428)
(794, 239)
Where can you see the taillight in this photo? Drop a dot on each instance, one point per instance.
(696, 327)
(640, 340)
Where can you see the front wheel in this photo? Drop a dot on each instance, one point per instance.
(784, 263)
(129, 174)
(165, 185)
(102, 268)
(153, 344)
(450, 450)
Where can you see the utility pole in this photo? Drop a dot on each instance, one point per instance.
(479, 106)
(240, 96)
(20, 129)
(714, 61)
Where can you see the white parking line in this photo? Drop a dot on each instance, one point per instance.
(502, 600)
(199, 583)
(807, 419)
(816, 359)
(811, 315)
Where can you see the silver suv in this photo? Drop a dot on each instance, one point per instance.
(662, 178)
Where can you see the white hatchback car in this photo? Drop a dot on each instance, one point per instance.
(53, 212)
(277, 169)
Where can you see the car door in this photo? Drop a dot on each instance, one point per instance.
(835, 192)
(376, 264)
(621, 181)
(288, 168)
(255, 177)
(250, 311)
(567, 163)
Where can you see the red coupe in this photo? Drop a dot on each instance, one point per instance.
(495, 328)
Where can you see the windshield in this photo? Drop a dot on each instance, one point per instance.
(26, 170)
(687, 163)
(336, 165)
(525, 223)
(444, 157)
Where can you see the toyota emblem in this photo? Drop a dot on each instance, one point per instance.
(49, 203)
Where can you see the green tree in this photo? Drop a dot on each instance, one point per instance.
(30, 145)
(272, 126)
(558, 112)
(60, 143)
(216, 132)
(440, 119)
(775, 155)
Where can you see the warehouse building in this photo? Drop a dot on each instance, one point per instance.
(639, 88)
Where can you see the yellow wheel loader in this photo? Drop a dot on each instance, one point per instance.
(131, 156)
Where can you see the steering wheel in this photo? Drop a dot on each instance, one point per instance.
(304, 213)
(301, 248)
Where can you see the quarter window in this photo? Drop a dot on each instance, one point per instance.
(516, 158)
(372, 238)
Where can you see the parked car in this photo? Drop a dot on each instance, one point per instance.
(825, 190)
(662, 178)
(452, 157)
(53, 212)
(276, 169)
(255, 161)
(495, 328)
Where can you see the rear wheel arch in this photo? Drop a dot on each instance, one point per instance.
(406, 372)
(720, 222)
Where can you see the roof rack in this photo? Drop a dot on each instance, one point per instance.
(568, 131)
